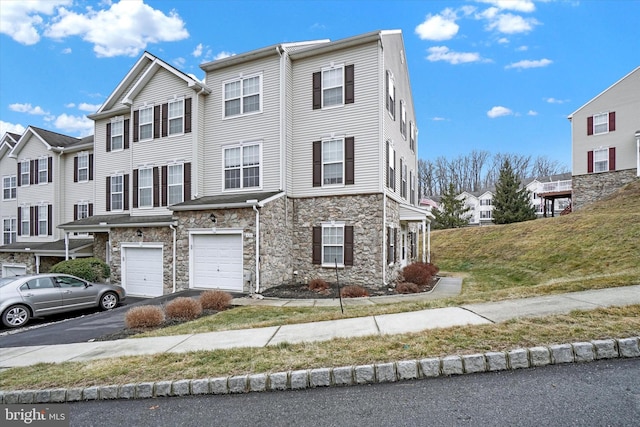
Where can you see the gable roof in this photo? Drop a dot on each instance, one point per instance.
(53, 141)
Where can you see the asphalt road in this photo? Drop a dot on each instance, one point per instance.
(603, 393)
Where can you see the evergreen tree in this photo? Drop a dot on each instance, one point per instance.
(452, 212)
(511, 203)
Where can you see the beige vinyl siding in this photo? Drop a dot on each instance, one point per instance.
(622, 98)
(73, 192)
(263, 126)
(359, 120)
(8, 167)
(289, 124)
(125, 90)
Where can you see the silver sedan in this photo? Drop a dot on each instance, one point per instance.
(24, 297)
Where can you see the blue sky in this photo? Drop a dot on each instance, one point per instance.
(495, 75)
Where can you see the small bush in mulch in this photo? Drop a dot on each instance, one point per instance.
(318, 285)
(420, 273)
(353, 291)
(145, 316)
(183, 308)
(215, 300)
(407, 288)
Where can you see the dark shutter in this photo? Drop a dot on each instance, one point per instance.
(49, 220)
(317, 90)
(612, 121)
(19, 220)
(19, 176)
(126, 191)
(590, 162)
(33, 214)
(395, 243)
(612, 158)
(348, 245)
(386, 90)
(389, 245)
(135, 188)
(136, 126)
(75, 212)
(349, 85)
(349, 149)
(590, 125)
(156, 122)
(317, 163)
(75, 169)
(126, 134)
(187, 115)
(90, 167)
(186, 179)
(90, 209)
(50, 169)
(33, 172)
(163, 186)
(165, 119)
(317, 245)
(108, 193)
(156, 187)
(108, 137)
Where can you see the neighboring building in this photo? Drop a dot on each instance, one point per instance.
(47, 180)
(480, 206)
(606, 141)
(291, 160)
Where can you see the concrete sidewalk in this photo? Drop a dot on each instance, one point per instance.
(473, 314)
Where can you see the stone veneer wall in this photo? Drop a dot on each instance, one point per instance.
(595, 186)
(364, 213)
(276, 237)
(20, 258)
(393, 219)
(100, 243)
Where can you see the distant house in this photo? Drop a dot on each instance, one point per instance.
(606, 141)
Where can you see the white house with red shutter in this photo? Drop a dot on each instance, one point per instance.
(606, 141)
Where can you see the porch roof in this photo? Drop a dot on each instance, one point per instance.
(77, 247)
(242, 200)
(103, 223)
(412, 213)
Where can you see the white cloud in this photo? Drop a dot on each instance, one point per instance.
(22, 20)
(317, 26)
(499, 111)
(11, 127)
(522, 48)
(438, 27)
(137, 26)
(197, 52)
(27, 108)
(530, 64)
(70, 105)
(517, 5)
(532, 113)
(442, 53)
(438, 119)
(67, 51)
(556, 101)
(91, 108)
(74, 124)
(223, 55)
(503, 40)
(179, 62)
(508, 23)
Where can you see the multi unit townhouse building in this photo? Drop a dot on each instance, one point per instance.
(287, 163)
(605, 135)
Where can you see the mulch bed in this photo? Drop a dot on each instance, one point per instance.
(301, 291)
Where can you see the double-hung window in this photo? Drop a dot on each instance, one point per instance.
(25, 171)
(332, 86)
(243, 96)
(242, 166)
(176, 116)
(145, 126)
(43, 217)
(403, 173)
(175, 184)
(332, 244)
(601, 123)
(601, 160)
(8, 230)
(9, 187)
(117, 192)
(403, 119)
(391, 95)
(83, 167)
(391, 167)
(83, 210)
(25, 220)
(117, 135)
(43, 169)
(412, 136)
(145, 188)
(333, 162)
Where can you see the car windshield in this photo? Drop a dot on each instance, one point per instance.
(6, 280)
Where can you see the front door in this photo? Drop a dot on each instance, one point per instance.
(403, 246)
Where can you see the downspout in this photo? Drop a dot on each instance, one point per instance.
(638, 153)
(37, 263)
(173, 258)
(257, 290)
(195, 147)
(66, 246)
(283, 149)
(385, 163)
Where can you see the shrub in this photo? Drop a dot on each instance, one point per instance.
(183, 308)
(353, 291)
(91, 269)
(215, 300)
(144, 316)
(318, 285)
(407, 288)
(419, 273)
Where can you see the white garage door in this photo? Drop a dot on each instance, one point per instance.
(217, 261)
(142, 271)
(13, 270)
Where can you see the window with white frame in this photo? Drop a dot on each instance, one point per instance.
(43, 163)
(243, 96)
(9, 230)
(601, 160)
(25, 171)
(485, 214)
(403, 172)
(117, 192)
(485, 202)
(403, 119)
(242, 166)
(175, 184)
(83, 167)
(332, 86)
(25, 220)
(145, 188)
(9, 184)
(333, 162)
(43, 216)
(412, 136)
(117, 135)
(392, 168)
(391, 95)
(145, 124)
(601, 123)
(333, 244)
(83, 210)
(176, 116)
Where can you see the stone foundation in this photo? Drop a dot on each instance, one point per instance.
(596, 186)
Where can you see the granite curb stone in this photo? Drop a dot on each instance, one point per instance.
(343, 376)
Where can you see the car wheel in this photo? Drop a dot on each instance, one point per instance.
(15, 316)
(108, 301)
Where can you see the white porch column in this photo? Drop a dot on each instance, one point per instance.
(429, 242)
(424, 241)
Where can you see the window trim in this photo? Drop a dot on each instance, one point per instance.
(42, 211)
(114, 121)
(179, 118)
(604, 162)
(82, 205)
(141, 123)
(112, 193)
(391, 95)
(241, 97)
(12, 232)
(149, 188)
(242, 167)
(338, 226)
(83, 155)
(342, 161)
(41, 170)
(170, 185)
(340, 67)
(604, 123)
(12, 189)
(26, 173)
(403, 119)
(25, 221)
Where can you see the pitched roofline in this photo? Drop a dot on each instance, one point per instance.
(341, 44)
(33, 130)
(603, 92)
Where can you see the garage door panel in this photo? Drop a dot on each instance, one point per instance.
(217, 261)
(143, 273)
